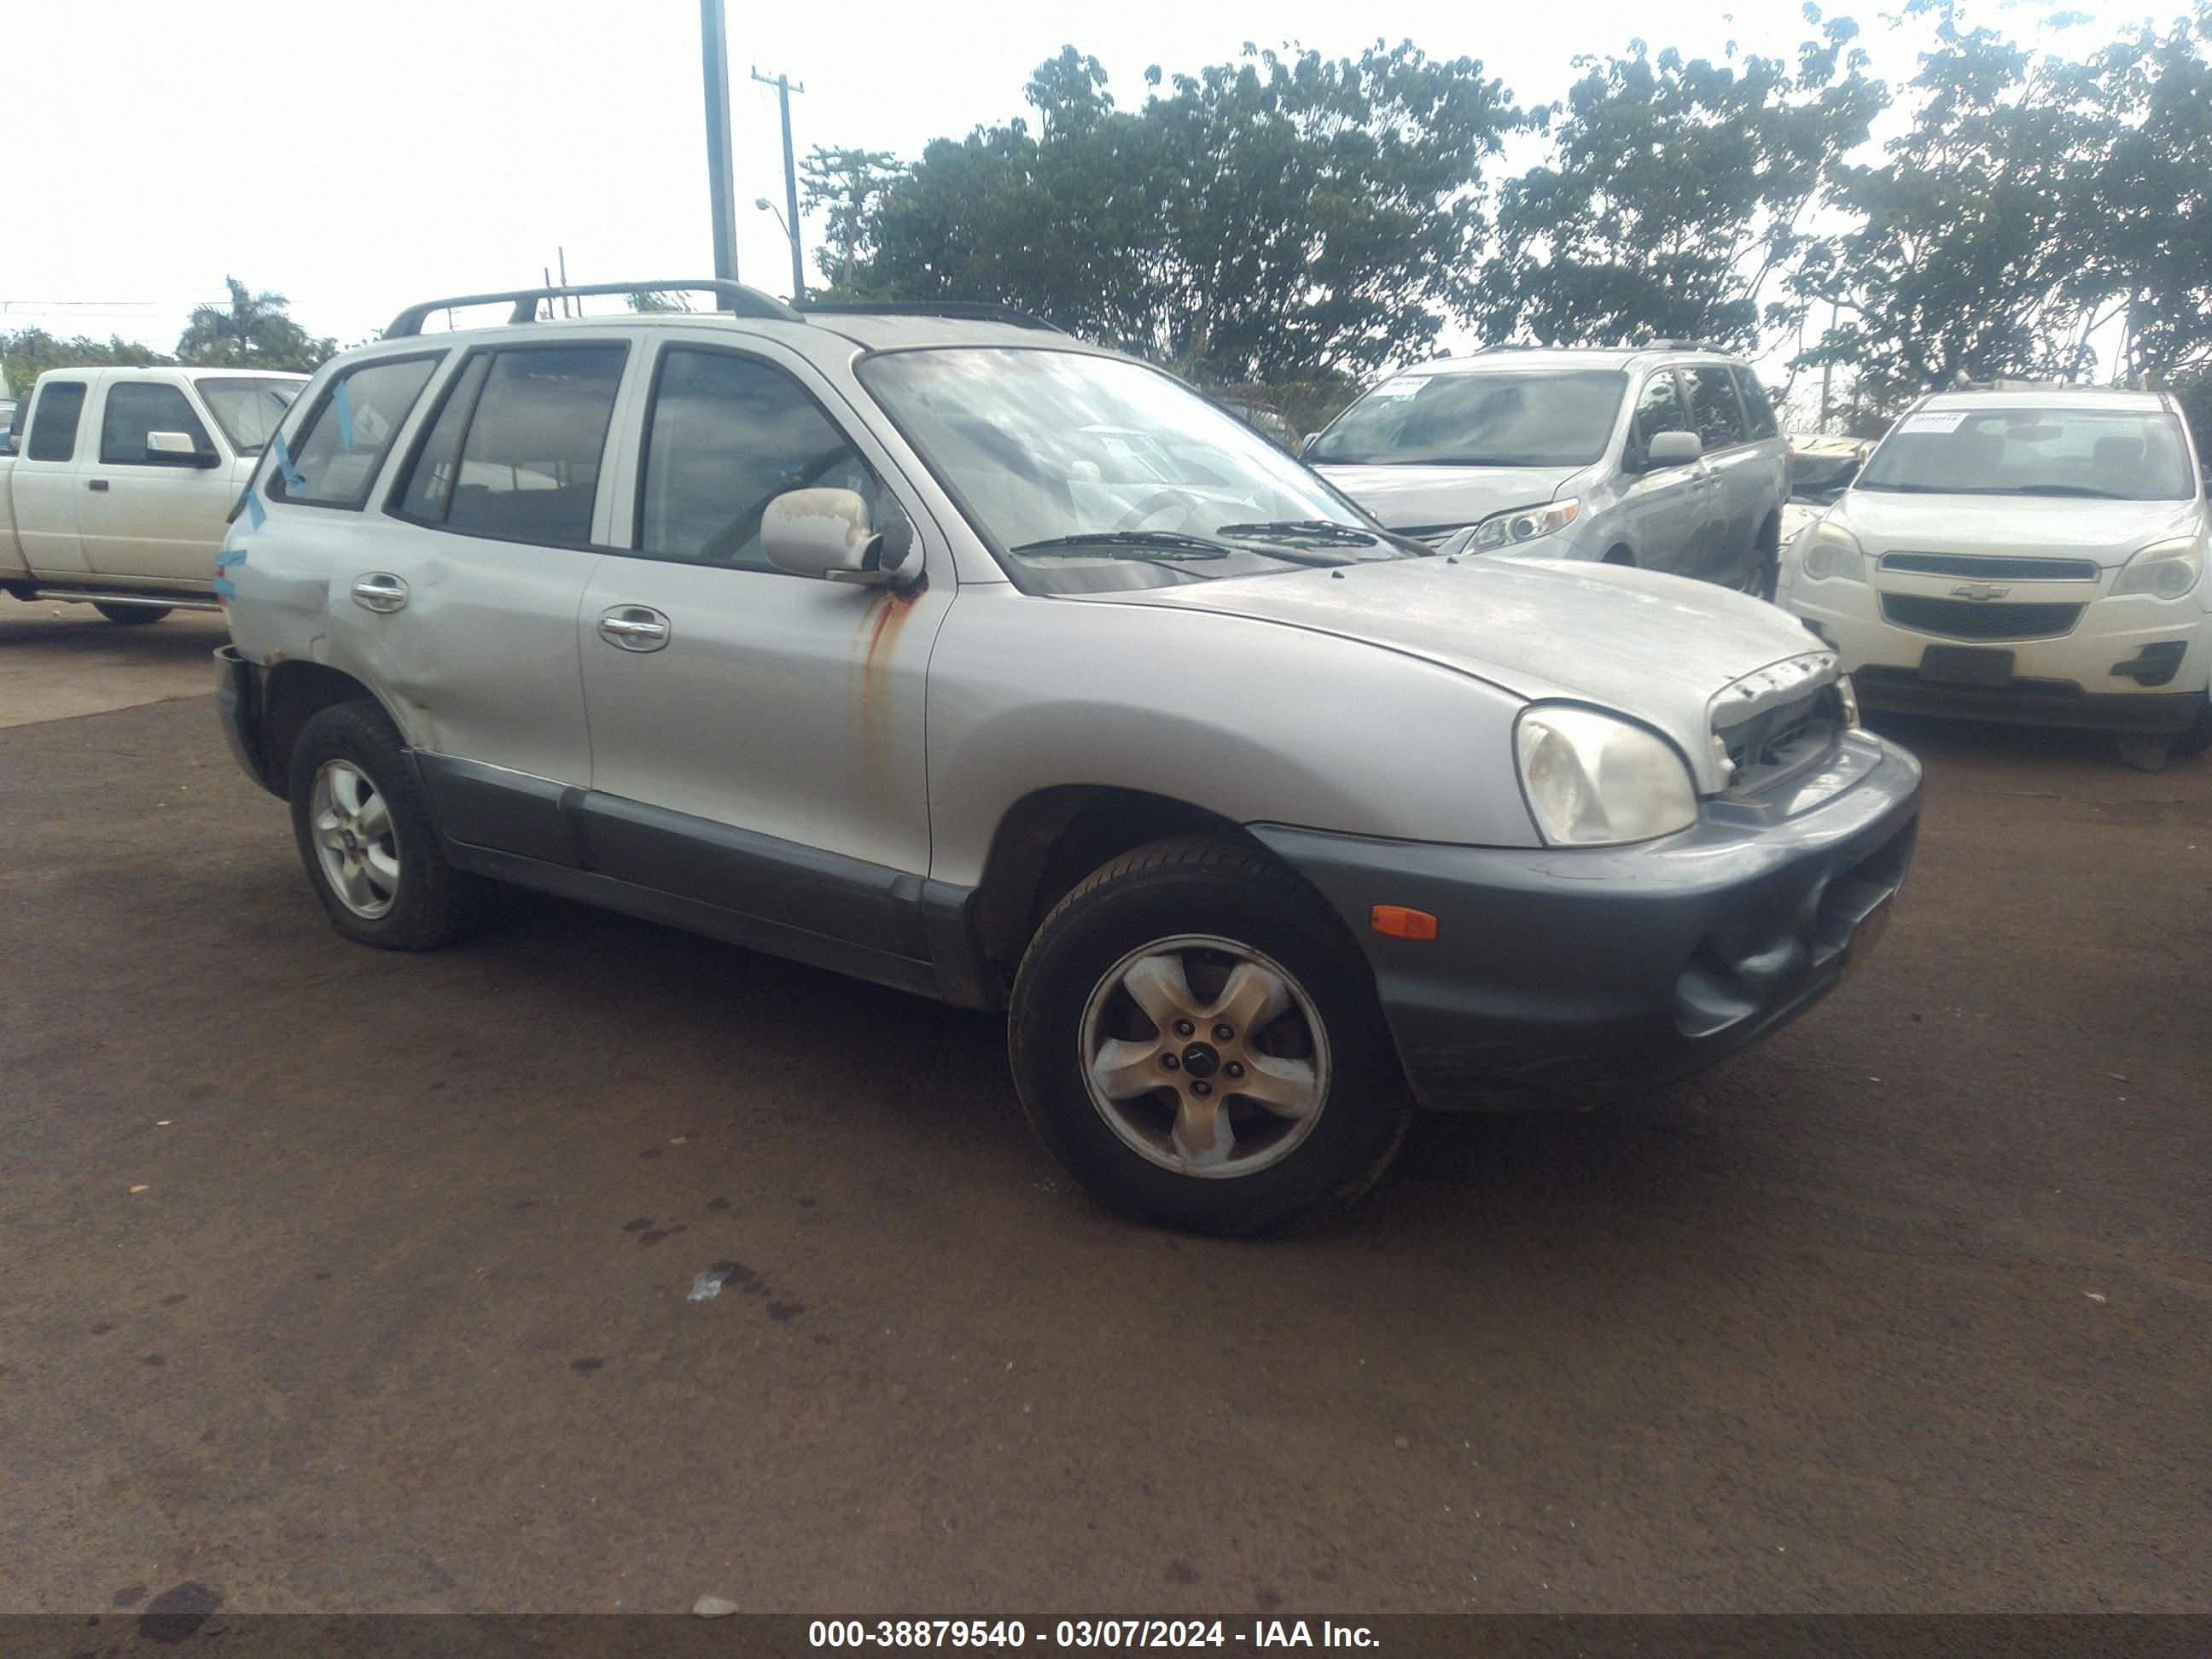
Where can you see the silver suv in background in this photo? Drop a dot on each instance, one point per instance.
(954, 653)
(1666, 457)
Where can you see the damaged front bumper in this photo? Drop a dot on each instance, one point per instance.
(1566, 976)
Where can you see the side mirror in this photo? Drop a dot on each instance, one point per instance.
(1308, 441)
(826, 533)
(1673, 449)
(175, 449)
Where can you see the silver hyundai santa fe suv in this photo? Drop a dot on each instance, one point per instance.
(949, 652)
(1665, 456)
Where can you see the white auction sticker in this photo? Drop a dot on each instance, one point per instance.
(1934, 421)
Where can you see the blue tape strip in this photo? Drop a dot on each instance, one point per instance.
(228, 557)
(292, 478)
(342, 406)
(256, 514)
(225, 588)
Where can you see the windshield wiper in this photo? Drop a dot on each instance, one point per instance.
(1300, 530)
(2070, 490)
(1156, 543)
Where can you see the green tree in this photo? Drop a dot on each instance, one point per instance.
(1675, 197)
(253, 331)
(844, 186)
(29, 353)
(1971, 242)
(1286, 216)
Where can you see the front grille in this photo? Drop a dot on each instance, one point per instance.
(1978, 619)
(1992, 568)
(1783, 736)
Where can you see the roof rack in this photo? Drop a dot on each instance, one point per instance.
(736, 299)
(967, 311)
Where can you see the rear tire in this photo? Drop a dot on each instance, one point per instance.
(1206, 931)
(1765, 561)
(365, 835)
(131, 616)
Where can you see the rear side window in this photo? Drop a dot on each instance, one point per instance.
(1713, 405)
(1658, 409)
(136, 408)
(349, 431)
(728, 435)
(1758, 412)
(53, 422)
(515, 452)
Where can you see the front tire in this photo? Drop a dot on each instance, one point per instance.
(1195, 1036)
(365, 835)
(2198, 737)
(131, 616)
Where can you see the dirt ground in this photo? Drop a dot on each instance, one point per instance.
(343, 1281)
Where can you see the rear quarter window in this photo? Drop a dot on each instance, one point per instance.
(54, 420)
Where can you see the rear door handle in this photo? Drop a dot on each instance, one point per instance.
(380, 591)
(98, 485)
(634, 628)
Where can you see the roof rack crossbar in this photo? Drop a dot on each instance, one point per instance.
(736, 299)
(969, 311)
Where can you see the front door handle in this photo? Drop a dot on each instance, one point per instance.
(98, 485)
(634, 628)
(380, 591)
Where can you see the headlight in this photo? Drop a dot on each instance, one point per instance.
(1593, 781)
(1524, 524)
(2165, 570)
(1850, 697)
(1831, 554)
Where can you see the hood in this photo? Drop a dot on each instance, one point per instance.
(1655, 646)
(1414, 498)
(2111, 532)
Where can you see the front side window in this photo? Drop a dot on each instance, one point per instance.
(349, 430)
(1658, 409)
(248, 408)
(514, 453)
(1087, 473)
(1478, 417)
(1714, 407)
(2129, 455)
(137, 408)
(54, 420)
(728, 434)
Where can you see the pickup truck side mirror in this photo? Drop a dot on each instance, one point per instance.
(1308, 441)
(176, 449)
(1673, 449)
(826, 533)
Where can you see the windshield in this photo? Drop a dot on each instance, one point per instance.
(248, 409)
(1478, 417)
(2128, 455)
(1093, 474)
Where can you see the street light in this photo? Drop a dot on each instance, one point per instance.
(798, 289)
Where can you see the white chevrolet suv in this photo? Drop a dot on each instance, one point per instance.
(954, 653)
(2033, 556)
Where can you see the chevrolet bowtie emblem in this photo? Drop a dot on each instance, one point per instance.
(1979, 591)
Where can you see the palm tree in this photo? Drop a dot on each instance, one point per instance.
(214, 335)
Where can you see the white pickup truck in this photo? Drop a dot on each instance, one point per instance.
(117, 484)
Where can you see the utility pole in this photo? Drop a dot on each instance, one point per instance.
(1827, 369)
(783, 91)
(714, 53)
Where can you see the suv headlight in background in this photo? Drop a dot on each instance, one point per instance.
(1595, 781)
(1831, 554)
(1524, 524)
(2165, 570)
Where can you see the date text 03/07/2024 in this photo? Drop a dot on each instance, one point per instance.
(1086, 1633)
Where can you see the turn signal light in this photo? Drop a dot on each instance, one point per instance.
(1396, 921)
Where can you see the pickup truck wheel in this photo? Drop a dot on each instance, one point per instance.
(130, 615)
(1196, 1038)
(365, 835)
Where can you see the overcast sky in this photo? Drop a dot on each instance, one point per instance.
(359, 157)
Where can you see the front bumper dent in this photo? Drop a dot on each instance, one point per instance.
(1564, 977)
